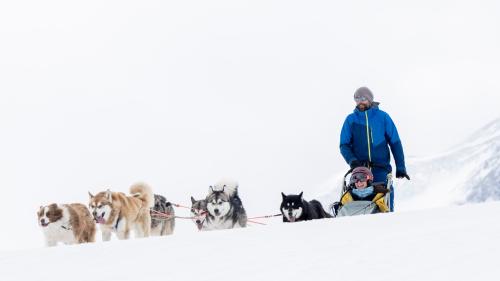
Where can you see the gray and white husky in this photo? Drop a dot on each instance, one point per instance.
(160, 224)
(224, 206)
(199, 213)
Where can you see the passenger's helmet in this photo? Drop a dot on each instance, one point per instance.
(361, 174)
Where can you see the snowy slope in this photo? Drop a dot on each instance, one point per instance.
(453, 243)
(468, 173)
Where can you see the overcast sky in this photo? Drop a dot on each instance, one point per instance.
(100, 94)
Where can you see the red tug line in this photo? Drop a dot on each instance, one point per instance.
(170, 216)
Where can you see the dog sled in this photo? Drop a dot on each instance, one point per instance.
(358, 207)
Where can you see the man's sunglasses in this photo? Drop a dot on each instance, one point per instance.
(360, 99)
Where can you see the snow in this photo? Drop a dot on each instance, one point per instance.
(103, 94)
(468, 173)
(453, 243)
(428, 238)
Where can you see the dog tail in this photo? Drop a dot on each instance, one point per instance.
(144, 193)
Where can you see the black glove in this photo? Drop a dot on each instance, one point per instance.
(355, 164)
(334, 207)
(402, 174)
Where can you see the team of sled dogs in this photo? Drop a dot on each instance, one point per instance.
(147, 214)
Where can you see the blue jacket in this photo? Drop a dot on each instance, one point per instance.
(367, 136)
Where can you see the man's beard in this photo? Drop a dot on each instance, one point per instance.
(362, 107)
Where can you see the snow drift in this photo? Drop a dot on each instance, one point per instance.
(454, 243)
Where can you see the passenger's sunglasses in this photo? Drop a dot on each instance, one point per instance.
(358, 178)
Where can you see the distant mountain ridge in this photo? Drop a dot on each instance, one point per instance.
(469, 173)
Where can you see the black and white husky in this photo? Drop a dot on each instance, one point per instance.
(162, 217)
(294, 208)
(224, 206)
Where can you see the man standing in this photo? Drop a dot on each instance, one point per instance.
(365, 139)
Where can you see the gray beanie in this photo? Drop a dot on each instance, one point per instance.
(364, 92)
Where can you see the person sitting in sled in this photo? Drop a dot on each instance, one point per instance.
(361, 188)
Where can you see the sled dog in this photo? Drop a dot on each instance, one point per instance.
(66, 223)
(118, 213)
(294, 208)
(162, 217)
(224, 206)
(199, 213)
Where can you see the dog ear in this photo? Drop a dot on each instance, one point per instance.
(90, 195)
(192, 200)
(210, 189)
(300, 194)
(108, 195)
(283, 195)
(224, 186)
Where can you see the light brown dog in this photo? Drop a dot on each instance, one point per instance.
(66, 223)
(119, 213)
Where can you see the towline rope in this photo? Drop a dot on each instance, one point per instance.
(168, 216)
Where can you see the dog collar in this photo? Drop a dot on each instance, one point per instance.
(67, 228)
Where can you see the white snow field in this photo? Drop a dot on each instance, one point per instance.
(178, 94)
(452, 243)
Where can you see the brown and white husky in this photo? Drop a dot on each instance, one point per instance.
(118, 213)
(66, 223)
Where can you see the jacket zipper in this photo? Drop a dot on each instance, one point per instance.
(368, 137)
